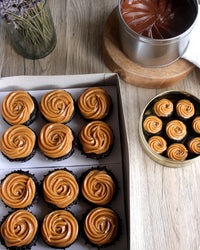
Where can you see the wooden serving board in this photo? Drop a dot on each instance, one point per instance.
(145, 77)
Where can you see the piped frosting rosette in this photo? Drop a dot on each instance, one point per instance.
(17, 107)
(19, 228)
(60, 188)
(185, 109)
(98, 187)
(196, 124)
(163, 108)
(57, 106)
(59, 229)
(152, 124)
(194, 145)
(94, 103)
(18, 142)
(176, 130)
(96, 137)
(17, 190)
(158, 144)
(55, 140)
(177, 152)
(101, 226)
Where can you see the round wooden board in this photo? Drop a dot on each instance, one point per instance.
(133, 73)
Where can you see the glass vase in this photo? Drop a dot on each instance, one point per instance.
(33, 34)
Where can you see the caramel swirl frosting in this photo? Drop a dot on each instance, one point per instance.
(176, 130)
(57, 106)
(163, 108)
(158, 144)
(98, 187)
(177, 152)
(17, 107)
(94, 103)
(196, 124)
(17, 142)
(194, 145)
(152, 124)
(17, 190)
(101, 226)
(185, 109)
(60, 188)
(19, 228)
(59, 229)
(55, 140)
(96, 137)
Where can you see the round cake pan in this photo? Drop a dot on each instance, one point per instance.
(154, 52)
(164, 160)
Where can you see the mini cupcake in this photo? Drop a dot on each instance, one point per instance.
(158, 144)
(56, 141)
(177, 152)
(94, 104)
(101, 226)
(60, 188)
(19, 107)
(196, 124)
(59, 229)
(96, 139)
(152, 125)
(18, 189)
(18, 230)
(18, 143)
(185, 109)
(57, 106)
(163, 108)
(194, 146)
(98, 187)
(176, 130)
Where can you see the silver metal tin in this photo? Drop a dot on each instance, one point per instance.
(153, 52)
(150, 152)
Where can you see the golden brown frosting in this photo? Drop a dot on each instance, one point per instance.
(96, 137)
(176, 130)
(60, 188)
(17, 142)
(163, 108)
(55, 140)
(98, 187)
(17, 107)
(194, 145)
(57, 106)
(19, 228)
(196, 124)
(94, 103)
(177, 152)
(101, 226)
(185, 109)
(158, 144)
(17, 190)
(152, 124)
(59, 228)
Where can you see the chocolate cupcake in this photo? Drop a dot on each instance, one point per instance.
(163, 108)
(101, 226)
(196, 124)
(60, 188)
(18, 189)
(194, 145)
(158, 144)
(152, 125)
(96, 139)
(57, 106)
(98, 187)
(18, 230)
(94, 104)
(176, 130)
(19, 107)
(18, 143)
(177, 152)
(185, 109)
(59, 229)
(56, 141)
